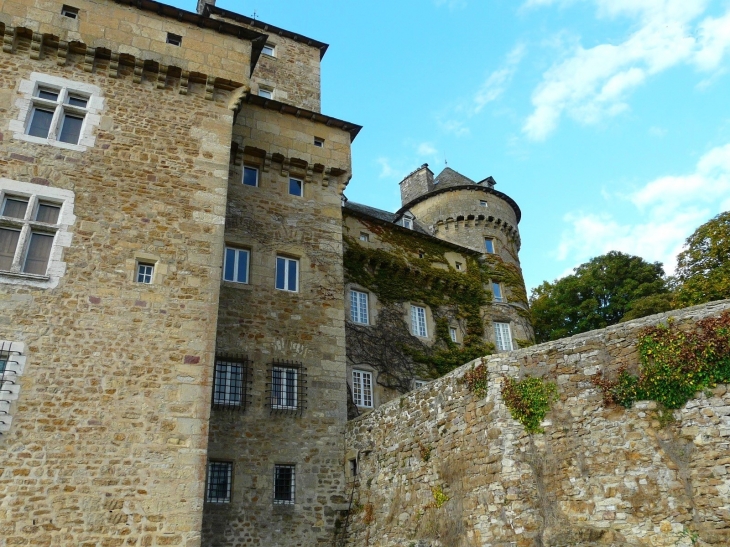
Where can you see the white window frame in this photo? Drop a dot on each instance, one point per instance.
(286, 403)
(419, 323)
(144, 273)
(287, 265)
(237, 257)
(494, 245)
(498, 292)
(503, 336)
(318, 142)
(30, 101)
(36, 194)
(407, 222)
(359, 312)
(301, 186)
(271, 47)
(453, 332)
(229, 482)
(243, 175)
(13, 354)
(483, 203)
(174, 39)
(362, 388)
(266, 92)
(364, 236)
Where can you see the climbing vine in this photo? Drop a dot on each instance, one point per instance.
(529, 400)
(675, 364)
(476, 379)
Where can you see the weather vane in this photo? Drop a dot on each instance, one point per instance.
(255, 15)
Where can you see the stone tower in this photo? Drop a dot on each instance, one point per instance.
(473, 214)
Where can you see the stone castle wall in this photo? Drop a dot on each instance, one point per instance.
(441, 467)
(109, 430)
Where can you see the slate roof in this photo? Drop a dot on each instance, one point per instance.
(449, 177)
(384, 216)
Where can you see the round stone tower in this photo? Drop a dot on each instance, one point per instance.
(473, 214)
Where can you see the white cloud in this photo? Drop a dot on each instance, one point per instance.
(386, 169)
(426, 149)
(455, 127)
(592, 84)
(497, 81)
(668, 210)
(656, 131)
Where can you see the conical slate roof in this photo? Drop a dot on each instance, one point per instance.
(449, 177)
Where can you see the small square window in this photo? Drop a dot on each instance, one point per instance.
(452, 333)
(296, 187)
(459, 266)
(287, 274)
(250, 176)
(359, 307)
(418, 321)
(266, 93)
(489, 245)
(482, 203)
(235, 265)
(47, 213)
(269, 49)
(407, 223)
(220, 477)
(174, 39)
(364, 236)
(70, 12)
(419, 383)
(497, 292)
(14, 207)
(145, 272)
(362, 388)
(284, 484)
(318, 142)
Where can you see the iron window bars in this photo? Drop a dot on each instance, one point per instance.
(231, 383)
(220, 478)
(8, 377)
(284, 484)
(287, 387)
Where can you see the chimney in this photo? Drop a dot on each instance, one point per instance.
(416, 184)
(202, 3)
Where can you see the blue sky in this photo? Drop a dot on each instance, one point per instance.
(608, 121)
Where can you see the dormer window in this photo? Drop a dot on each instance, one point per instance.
(407, 222)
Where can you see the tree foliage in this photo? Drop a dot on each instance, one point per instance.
(703, 268)
(599, 293)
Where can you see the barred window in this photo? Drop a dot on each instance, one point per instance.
(230, 383)
(287, 387)
(284, 484)
(220, 477)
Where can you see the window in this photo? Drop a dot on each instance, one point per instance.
(12, 364)
(70, 12)
(269, 49)
(407, 222)
(359, 307)
(503, 337)
(459, 266)
(421, 254)
(284, 388)
(287, 274)
(145, 272)
(229, 383)
(33, 231)
(250, 176)
(58, 112)
(362, 388)
(497, 291)
(266, 93)
(284, 484)
(418, 321)
(318, 142)
(235, 265)
(482, 203)
(174, 39)
(353, 467)
(452, 333)
(296, 187)
(489, 245)
(27, 234)
(419, 383)
(364, 236)
(220, 476)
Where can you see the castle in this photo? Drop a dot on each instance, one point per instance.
(191, 308)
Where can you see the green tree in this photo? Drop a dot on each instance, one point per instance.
(703, 268)
(599, 293)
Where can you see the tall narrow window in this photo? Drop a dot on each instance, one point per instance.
(407, 223)
(284, 484)
(296, 187)
(489, 245)
(220, 478)
(503, 336)
(39, 250)
(284, 392)
(235, 266)
(452, 333)
(362, 388)
(418, 321)
(497, 292)
(229, 383)
(8, 245)
(250, 176)
(287, 274)
(359, 307)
